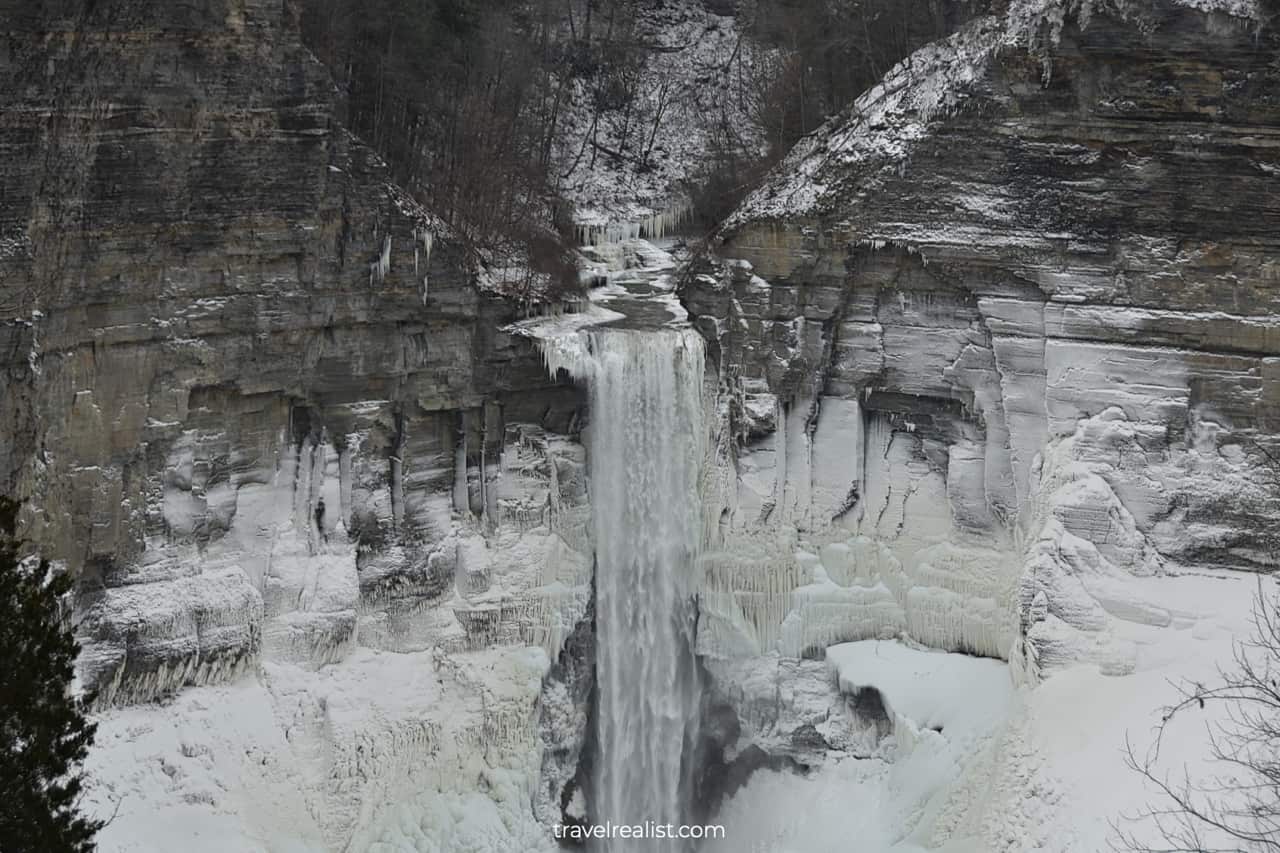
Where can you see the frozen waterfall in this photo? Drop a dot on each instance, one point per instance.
(645, 444)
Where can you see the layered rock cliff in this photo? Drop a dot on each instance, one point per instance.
(999, 344)
(995, 355)
(259, 404)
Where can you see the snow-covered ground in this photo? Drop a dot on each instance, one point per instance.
(398, 752)
(978, 764)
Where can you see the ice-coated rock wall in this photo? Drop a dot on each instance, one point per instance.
(995, 352)
(240, 419)
(1001, 340)
(274, 458)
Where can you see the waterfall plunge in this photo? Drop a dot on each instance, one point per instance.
(646, 451)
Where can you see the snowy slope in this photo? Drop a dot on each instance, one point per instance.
(878, 129)
(422, 751)
(686, 79)
(824, 170)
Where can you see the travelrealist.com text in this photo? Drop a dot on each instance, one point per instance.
(648, 829)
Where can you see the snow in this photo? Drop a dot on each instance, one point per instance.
(879, 128)
(947, 712)
(339, 722)
(291, 709)
(379, 749)
(1014, 768)
(638, 289)
(1038, 24)
(1067, 746)
(558, 325)
(958, 695)
(1068, 557)
(327, 741)
(687, 78)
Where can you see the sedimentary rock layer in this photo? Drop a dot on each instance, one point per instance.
(251, 388)
(1003, 337)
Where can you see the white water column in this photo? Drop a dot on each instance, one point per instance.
(646, 448)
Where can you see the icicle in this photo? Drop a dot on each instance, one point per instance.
(461, 498)
(426, 238)
(655, 226)
(378, 269)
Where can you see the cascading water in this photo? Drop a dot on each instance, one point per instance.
(646, 451)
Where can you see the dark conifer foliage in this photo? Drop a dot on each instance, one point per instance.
(44, 733)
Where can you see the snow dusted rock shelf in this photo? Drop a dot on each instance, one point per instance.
(957, 696)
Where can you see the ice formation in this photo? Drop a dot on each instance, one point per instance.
(656, 225)
(380, 752)
(340, 688)
(930, 721)
(379, 268)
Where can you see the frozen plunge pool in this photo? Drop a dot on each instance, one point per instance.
(1015, 767)
(947, 712)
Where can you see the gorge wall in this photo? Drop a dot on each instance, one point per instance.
(258, 401)
(990, 349)
(999, 342)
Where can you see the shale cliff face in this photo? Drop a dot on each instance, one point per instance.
(255, 397)
(1004, 339)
